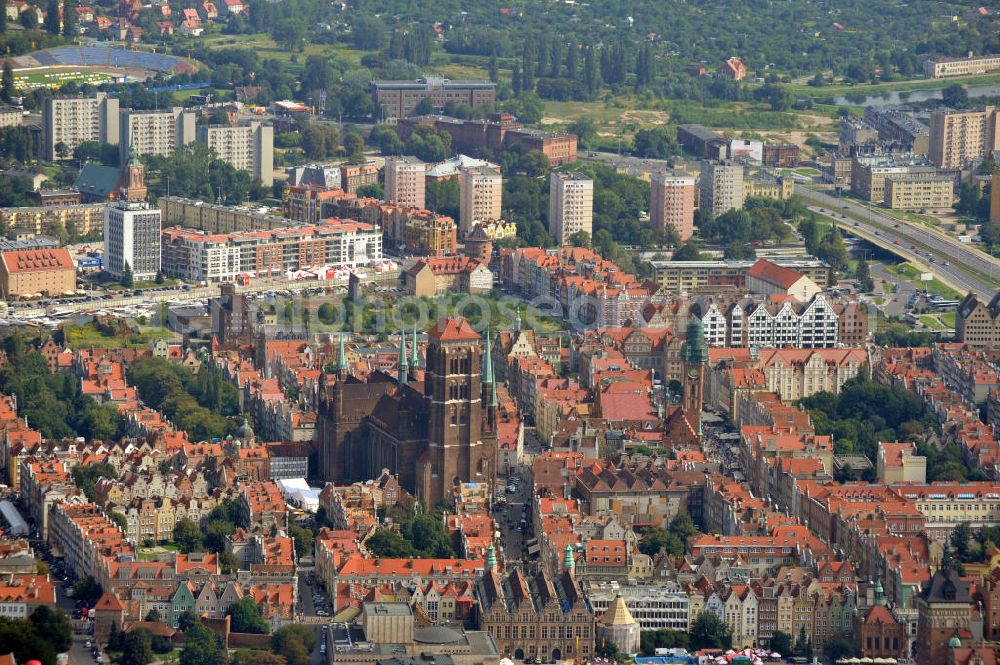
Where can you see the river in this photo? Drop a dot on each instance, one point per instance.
(914, 96)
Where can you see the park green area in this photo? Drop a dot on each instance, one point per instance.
(935, 286)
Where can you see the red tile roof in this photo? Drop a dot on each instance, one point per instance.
(774, 274)
(452, 330)
(34, 260)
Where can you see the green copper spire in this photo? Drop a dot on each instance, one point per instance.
(694, 350)
(491, 558)
(488, 361)
(569, 563)
(403, 366)
(414, 357)
(341, 356)
(133, 154)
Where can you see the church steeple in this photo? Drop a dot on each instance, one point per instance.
(569, 561)
(491, 557)
(694, 355)
(489, 381)
(487, 360)
(341, 359)
(404, 368)
(414, 357)
(134, 179)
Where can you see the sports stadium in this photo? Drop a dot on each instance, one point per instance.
(94, 63)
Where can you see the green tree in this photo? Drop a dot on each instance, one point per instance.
(689, 252)
(53, 24)
(585, 130)
(803, 645)
(69, 18)
(228, 563)
(863, 274)
(7, 83)
(293, 632)
(327, 313)
(29, 19)
(215, 534)
(186, 620)
(683, 526)
(424, 107)
(137, 648)
(128, 280)
(443, 197)
(86, 476)
(388, 545)
(367, 32)
(838, 647)
(99, 421)
(955, 96)
(709, 632)
(295, 652)
(119, 519)
(533, 163)
(374, 191)
(245, 617)
(303, 540)
(20, 639)
(781, 642)
(153, 615)
(657, 142)
(493, 68)
(580, 239)
(201, 647)
(961, 540)
(187, 535)
(87, 588)
(655, 538)
(54, 625)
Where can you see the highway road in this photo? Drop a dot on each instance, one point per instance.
(961, 266)
(195, 295)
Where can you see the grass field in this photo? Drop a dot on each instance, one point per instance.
(268, 49)
(56, 79)
(88, 336)
(935, 286)
(942, 321)
(152, 553)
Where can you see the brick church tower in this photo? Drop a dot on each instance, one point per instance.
(460, 411)
(694, 355)
(133, 187)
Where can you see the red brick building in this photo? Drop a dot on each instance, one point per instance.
(501, 131)
(878, 633)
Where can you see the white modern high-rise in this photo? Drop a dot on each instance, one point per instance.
(571, 205)
(70, 121)
(481, 194)
(156, 132)
(248, 147)
(721, 186)
(405, 181)
(132, 237)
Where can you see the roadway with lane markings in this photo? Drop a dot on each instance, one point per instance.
(968, 269)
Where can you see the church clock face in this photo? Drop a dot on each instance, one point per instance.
(693, 373)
